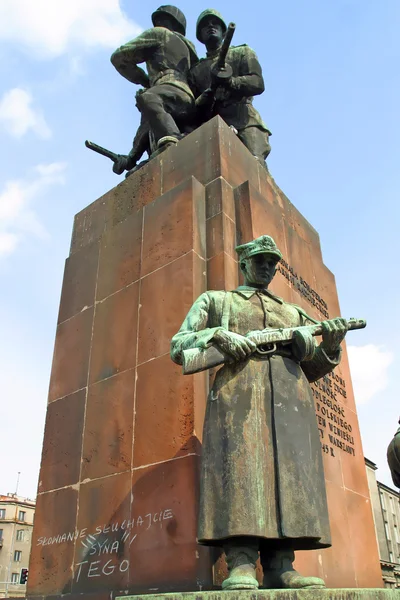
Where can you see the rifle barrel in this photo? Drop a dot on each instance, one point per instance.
(100, 150)
(225, 46)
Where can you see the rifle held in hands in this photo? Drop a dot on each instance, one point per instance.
(267, 341)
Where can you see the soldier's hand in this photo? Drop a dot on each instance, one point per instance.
(220, 79)
(205, 98)
(222, 94)
(120, 165)
(233, 344)
(333, 333)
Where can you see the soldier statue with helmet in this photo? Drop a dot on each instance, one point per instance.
(231, 97)
(393, 456)
(166, 103)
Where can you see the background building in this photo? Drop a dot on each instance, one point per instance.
(386, 511)
(16, 523)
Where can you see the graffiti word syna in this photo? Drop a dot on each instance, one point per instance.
(139, 524)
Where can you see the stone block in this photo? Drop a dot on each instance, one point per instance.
(102, 546)
(165, 412)
(69, 371)
(174, 224)
(79, 283)
(165, 554)
(52, 552)
(107, 443)
(120, 255)
(61, 459)
(165, 297)
(114, 334)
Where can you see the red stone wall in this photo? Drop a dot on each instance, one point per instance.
(117, 497)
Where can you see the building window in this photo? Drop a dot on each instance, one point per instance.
(14, 577)
(21, 515)
(17, 556)
(396, 534)
(387, 531)
(1, 534)
(20, 535)
(2, 513)
(392, 505)
(383, 501)
(391, 557)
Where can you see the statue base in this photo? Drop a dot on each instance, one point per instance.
(336, 594)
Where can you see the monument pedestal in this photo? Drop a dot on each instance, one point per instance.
(343, 594)
(118, 487)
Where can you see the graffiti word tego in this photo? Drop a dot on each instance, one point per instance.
(95, 569)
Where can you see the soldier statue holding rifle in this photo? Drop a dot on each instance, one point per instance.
(262, 486)
(229, 91)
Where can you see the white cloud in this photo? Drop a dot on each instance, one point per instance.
(369, 370)
(17, 217)
(18, 116)
(50, 28)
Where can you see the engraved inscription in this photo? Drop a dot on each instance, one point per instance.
(303, 287)
(334, 430)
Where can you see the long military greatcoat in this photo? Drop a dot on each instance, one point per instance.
(262, 472)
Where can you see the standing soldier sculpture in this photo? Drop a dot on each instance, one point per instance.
(262, 489)
(166, 103)
(393, 456)
(230, 97)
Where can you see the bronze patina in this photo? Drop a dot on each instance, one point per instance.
(262, 489)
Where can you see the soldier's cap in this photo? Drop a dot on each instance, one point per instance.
(261, 245)
(209, 12)
(175, 13)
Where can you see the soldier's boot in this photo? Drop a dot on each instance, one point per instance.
(241, 559)
(279, 572)
(166, 142)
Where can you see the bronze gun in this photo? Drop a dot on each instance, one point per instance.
(267, 341)
(221, 70)
(103, 151)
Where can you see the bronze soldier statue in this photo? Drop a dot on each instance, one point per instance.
(233, 97)
(262, 485)
(393, 456)
(166, 103)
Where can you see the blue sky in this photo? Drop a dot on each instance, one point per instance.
(332, 101)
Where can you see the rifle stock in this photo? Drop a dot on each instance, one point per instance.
(197, 359)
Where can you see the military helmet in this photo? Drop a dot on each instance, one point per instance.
(175, 13)
(209, 12)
